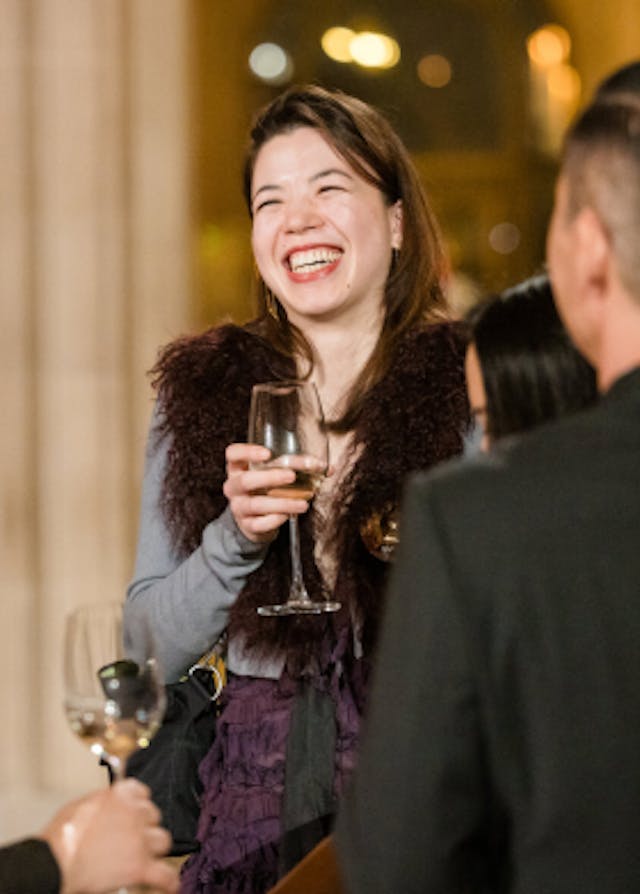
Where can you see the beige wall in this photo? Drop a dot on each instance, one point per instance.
(95, 273)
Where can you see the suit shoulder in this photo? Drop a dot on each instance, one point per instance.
(535, 466)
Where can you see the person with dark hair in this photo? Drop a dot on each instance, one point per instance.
(522, 368)
(623, 83)
(350, 267)
(503, 731)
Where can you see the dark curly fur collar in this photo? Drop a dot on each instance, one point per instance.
(412, 419)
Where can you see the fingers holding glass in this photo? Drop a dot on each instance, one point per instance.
(261, 497)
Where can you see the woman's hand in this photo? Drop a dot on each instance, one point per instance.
(257, 514)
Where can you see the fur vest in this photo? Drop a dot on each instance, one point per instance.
(413, 418)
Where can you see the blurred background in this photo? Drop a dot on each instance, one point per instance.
(122, 128)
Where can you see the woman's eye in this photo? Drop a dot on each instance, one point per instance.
(331, 187)
(266, 204)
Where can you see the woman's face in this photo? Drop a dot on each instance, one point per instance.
(322, 236)
(476, 394)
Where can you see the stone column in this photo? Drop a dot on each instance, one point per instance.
(95, 248)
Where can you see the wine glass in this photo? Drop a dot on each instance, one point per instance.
(287, 418)
(113, 703)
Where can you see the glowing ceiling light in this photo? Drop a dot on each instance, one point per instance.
(336, 43)
(371, 50)
(564, 84)
(271, 63)
(434, 70)
(549, 45)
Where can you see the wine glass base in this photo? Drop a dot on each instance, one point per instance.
(298, 607)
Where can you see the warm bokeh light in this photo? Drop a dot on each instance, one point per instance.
(564, 84)
(554, 86)
(271, 63)
(371, 50)
(504, 237)
(366, 48)
(434, 70)
(336, 43)
(549, 46)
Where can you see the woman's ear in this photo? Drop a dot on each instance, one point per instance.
(396, 225)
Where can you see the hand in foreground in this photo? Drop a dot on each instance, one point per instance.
(256, 514)
(111, 838)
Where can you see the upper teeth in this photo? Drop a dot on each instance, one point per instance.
(303, 261)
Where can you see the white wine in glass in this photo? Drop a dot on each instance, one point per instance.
(113, 703)
(287, 418)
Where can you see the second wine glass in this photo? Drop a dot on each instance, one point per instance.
(287, 418)
(113, 703)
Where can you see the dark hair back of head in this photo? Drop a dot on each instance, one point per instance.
(601, 166)
(531, 371)
(624, 81)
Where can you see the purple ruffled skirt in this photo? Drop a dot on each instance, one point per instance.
(243, 777)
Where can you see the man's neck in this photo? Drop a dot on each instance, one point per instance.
(619, 344)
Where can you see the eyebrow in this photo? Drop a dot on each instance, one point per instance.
(327, 173)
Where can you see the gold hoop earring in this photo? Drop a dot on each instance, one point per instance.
(272, 303)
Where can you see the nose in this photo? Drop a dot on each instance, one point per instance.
(301, 215)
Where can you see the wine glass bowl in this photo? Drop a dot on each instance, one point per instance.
(113, 703)
(287, 418)
(309, 470)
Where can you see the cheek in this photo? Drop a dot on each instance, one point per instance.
(260, 244)
(560, 252)
(366, 219)
(341, 215)
(474, 380)
(560, 273)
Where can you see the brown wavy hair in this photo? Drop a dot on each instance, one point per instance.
(366, 140)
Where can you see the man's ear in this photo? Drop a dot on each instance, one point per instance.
(594, 253)
(396, 225)
(592, 271)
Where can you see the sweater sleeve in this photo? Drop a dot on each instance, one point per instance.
(28, 866)
(187, 601)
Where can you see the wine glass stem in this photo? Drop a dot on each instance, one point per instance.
(118, 768)
(298, 591)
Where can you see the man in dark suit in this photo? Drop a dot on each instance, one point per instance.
(502, 751)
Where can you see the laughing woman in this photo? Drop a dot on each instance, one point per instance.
(350, 269)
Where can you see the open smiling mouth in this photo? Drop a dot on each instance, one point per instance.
(313, 259)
